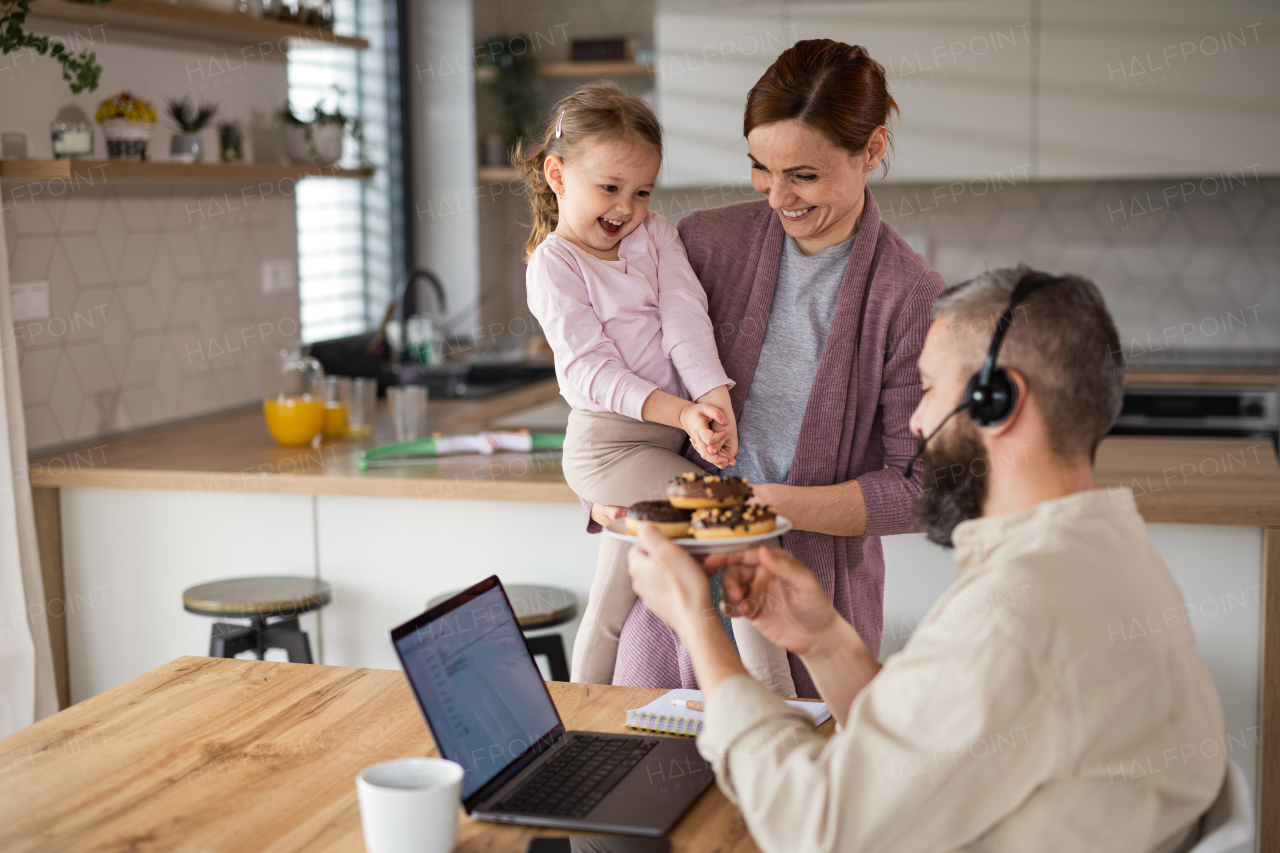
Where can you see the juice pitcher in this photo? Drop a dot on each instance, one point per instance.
(295, 412)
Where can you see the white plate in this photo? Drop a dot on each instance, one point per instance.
(618, 530)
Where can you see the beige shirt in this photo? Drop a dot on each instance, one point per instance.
(1052, 699)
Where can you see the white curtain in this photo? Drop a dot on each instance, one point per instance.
(27, 690)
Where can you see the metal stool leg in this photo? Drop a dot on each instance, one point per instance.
(287, 634)
(552, 646)
(228, 640)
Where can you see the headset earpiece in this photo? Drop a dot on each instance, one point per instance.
(992, 403)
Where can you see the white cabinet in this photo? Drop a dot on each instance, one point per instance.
(127, 555)
(387, 556)
(958, 70)
(707, 62)
(1158, 88)
(999, 91)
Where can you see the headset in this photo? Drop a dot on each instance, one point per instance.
(990, 395)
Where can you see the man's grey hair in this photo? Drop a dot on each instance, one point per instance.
(1062, 339)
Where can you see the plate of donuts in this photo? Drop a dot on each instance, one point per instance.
(704, 514)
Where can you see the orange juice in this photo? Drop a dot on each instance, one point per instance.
(335, 419)
(293, 421)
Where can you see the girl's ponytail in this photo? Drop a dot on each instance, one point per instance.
(600, 109)
(542, 199)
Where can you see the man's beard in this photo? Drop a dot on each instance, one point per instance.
(953, 483)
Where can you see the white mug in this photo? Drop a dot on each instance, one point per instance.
(410, 805)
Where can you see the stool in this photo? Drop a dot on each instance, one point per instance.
(258, 599)
(538, 607)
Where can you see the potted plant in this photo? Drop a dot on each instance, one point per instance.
(515, 91)
(317, 142)
(126, 123)
(185, 145)
(81, 69)
(230, 141)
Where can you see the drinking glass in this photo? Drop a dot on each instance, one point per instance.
(363, 404)
(337, 403)
(408, 404)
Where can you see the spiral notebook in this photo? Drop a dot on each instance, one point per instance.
(664, 718)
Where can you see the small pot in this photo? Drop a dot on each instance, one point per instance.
(185, 148)
(314, 143)
(126, 140)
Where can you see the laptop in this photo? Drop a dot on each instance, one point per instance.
(489, 710)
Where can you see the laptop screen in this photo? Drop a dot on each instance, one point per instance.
(478, 686)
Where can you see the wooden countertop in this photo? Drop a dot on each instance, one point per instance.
(234, 453)
(213, 754)
(1179, 480)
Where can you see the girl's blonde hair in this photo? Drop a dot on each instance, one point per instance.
(600, 109)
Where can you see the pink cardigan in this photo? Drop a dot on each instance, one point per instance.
(867, 376)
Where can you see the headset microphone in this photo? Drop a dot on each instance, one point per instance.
(990, 395)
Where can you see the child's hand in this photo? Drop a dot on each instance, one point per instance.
(710, 432)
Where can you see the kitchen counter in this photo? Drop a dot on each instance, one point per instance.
(233, 453)
(1233, 481)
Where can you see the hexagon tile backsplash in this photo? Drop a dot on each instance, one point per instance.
(1183, 264)
(156, 311)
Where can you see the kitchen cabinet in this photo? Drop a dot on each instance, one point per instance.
(959, 72)
(1158, 88)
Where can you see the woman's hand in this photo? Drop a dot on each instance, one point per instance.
(671, 583)
(779, 595)
(602, 514)
(838, 510)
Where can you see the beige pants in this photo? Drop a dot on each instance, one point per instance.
(615, 460)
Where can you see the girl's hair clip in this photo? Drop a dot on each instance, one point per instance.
(559, 122)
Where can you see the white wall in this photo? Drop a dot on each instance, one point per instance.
(440, 103)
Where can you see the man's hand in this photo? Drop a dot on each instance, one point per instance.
(779, 595)
(602, 514)
(671, 583)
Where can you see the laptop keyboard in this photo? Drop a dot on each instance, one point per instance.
(578, 777)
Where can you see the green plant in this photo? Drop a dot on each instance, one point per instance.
(319, 115)
(81, 69)
(231, 140)
(188, 118)
(511, 79)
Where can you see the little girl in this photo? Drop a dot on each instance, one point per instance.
(635, 356)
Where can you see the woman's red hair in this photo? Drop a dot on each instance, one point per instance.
(833, 87)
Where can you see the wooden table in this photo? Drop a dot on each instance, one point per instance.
(208, 755)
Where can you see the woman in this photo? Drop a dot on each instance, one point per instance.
(820, 312)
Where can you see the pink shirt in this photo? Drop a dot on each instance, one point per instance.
(620, 329)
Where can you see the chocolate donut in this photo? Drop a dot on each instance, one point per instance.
(733, 521)
(671, 521)
(700, 491)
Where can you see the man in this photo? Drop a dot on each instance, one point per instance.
(1012, 720)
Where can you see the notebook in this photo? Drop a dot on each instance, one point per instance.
(663, 717)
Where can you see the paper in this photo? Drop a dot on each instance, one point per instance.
(662, 716)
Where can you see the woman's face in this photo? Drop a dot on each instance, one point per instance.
(815, 186)
(604, 192)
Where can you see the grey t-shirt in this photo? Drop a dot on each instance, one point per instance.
(804, 303)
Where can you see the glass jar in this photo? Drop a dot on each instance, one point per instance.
(295, 412)
(72, 140)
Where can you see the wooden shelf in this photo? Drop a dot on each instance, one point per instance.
(594, 69)
(191, 21)
(487, 174)
(568, 70)
(91, 170)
